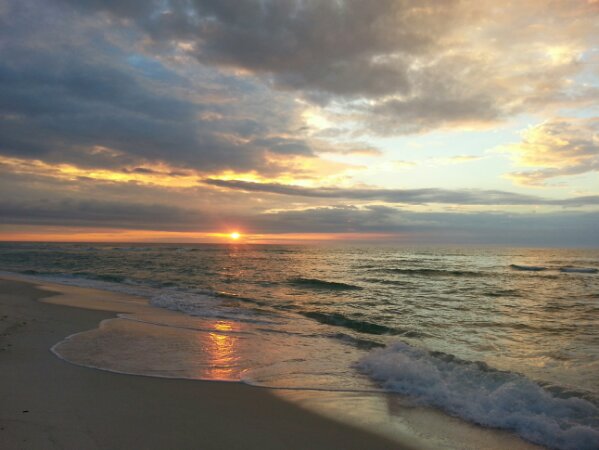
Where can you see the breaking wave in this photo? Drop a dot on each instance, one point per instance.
(485, 396)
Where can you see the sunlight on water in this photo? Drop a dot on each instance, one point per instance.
(222, 354)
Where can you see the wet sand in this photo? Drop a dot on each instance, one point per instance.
(47, 403)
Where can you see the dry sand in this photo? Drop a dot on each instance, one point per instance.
(47, 403)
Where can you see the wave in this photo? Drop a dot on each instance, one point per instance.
(527, 268)
(363, 344)
(570, 269)
(84, 275)
(199, 302)
(133, 249)
(339, 320)
(315, 283)
(281, 251)
(106, 277)
(378, 264)
(233, 296)
(387, 282)
(33, 272)
(208, 305)
(63, 276)
(503, 293)
(366, 266)
(565, 269)
(436, 272)
(488, 397)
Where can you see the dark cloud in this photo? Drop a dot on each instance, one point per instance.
(284, 146)
(344, 48)
(67, 98)
(334, 219)
(424, 112)
(73, 105)
(141, 170)
(421, 64)
(430, 228)
(94, 213)
(407, 196)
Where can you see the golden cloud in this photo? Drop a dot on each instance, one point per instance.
(555, 148)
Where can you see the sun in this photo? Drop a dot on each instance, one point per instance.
(235, 235)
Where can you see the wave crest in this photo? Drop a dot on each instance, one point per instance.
(486, 396)
(436, 272)
(527, 268)
(315, 283)
(570, 269)
(339, 320)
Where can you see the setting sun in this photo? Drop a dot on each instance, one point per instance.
(235, 235)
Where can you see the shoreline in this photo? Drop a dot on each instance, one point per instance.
(50, 403)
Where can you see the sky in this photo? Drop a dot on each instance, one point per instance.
(395, 121)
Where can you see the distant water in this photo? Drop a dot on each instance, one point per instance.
(505, 338)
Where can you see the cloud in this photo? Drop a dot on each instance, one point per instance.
(343, 48)
(556, 148)
(94, 213)
(413, 227)
(406, 196)
(113, 111)
(42, 202)
(189, 84)
(346, 148)
(430, 228)
(88, 88)
(395, 66)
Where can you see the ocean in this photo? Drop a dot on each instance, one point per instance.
(493, 338)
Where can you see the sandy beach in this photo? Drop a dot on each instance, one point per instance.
(47, 403)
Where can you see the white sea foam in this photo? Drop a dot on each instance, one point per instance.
(485, 396)
(199, 302)
(205, 305)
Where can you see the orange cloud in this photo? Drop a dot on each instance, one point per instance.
(149, 174)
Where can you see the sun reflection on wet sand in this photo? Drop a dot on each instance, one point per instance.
(222, 352)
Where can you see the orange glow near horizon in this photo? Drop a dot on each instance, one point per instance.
(72, 234)
(235, 235)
